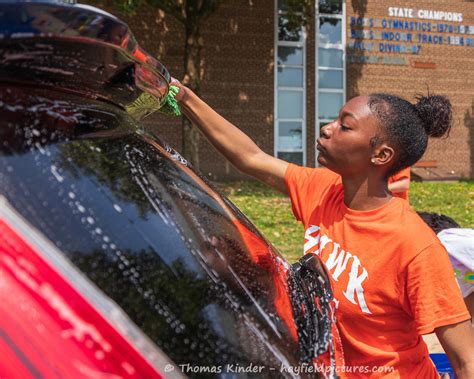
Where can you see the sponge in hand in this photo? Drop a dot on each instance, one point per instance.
(170, 106)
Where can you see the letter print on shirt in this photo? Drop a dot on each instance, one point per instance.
(337, 264)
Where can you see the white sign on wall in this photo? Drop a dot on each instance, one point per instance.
(424, 14)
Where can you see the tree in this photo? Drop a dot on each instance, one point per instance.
(191, 14)
(301, 11)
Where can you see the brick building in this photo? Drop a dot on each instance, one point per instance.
(280, 86)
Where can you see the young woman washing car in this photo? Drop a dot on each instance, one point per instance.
(390, 274)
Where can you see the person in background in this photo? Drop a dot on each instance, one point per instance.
(459, 242)
(390, 274)
(399, 184)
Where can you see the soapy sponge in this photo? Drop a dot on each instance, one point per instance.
(170, 105)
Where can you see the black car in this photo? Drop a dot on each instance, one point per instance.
(108, 234)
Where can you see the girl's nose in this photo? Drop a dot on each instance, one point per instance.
(326, 131)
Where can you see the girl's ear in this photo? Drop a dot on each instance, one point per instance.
(382, 155)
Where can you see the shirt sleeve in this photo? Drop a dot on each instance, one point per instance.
(296, 179)
(305, 187)
(403, 174)
(433, 295)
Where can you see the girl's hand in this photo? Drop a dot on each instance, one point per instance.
(180, 95)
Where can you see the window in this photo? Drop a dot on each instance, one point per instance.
(290, 91)
(331, 73)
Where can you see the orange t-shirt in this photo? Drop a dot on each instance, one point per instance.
(390, 274)
(405, 173)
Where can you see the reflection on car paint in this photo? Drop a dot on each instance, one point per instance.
(59, 313)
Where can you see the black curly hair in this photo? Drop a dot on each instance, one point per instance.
(437, 221)
(408, 126)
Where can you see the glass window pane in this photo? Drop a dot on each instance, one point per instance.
(330, 58)
(330, 6)
(329, 105)
(290, 135)
(282, 5)
(290, 77)
(297, 7)
(296, 158)
(290, 104)
(290, 55)
(330, 79)
(287, 32)
(330, 30)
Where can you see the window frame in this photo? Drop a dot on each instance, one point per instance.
(340, 46)
(299, 44)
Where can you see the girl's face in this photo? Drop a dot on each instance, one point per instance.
(344, 144)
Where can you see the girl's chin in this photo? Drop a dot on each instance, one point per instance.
(321, 160)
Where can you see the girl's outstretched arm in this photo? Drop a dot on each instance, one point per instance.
(234, 144)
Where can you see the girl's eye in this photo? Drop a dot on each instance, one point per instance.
(343, 127)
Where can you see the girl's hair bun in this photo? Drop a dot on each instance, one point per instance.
(436, 113)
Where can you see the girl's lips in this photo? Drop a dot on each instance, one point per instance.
(319, 147)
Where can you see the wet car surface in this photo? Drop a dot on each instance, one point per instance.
(198, 284)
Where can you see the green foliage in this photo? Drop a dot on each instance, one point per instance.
(299, 12)
(452, 199)
(271, 211)
(187, 12)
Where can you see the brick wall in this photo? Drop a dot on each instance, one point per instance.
(239, 81)
(452, 76)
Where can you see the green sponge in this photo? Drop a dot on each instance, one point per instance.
(170, 105)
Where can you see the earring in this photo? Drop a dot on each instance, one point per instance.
(373, 160)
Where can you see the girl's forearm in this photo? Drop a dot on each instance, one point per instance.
(234, 144)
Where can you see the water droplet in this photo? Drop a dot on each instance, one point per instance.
(99, 355)
(56, 174)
